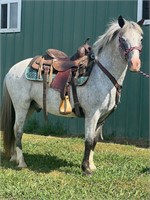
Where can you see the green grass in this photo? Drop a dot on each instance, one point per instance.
(54, 172)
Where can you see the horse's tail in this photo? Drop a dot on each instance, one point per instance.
(7, 121)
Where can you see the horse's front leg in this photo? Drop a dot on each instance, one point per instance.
(98, 134)
(90, 143)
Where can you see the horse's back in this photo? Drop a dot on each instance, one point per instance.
(18, 69)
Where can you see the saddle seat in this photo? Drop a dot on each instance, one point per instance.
(57, 54)
(59, 60)
(48, 59)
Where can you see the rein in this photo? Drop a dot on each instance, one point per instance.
(144, 74)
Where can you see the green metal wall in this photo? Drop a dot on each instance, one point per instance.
(65, 25)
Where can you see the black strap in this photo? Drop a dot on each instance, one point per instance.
(77, 107)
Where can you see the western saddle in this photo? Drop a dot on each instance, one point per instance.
(67, 70)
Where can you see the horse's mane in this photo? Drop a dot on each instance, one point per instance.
(111, 33)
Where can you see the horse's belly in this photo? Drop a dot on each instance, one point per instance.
(53, 99)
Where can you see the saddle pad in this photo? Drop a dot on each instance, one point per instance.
(81, 80)
(32, 75)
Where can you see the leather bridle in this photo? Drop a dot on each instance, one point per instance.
(131, 49)
(125, 50)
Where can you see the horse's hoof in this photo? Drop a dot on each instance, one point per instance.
(13, 158)
(87, 173)
(22, 165)
(86, 169)
(92, 167)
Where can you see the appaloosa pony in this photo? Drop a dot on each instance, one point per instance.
(117, 50)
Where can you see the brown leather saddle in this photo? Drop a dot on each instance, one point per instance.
(61, 61)
(66, 69)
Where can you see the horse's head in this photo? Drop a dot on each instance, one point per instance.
(130, 43)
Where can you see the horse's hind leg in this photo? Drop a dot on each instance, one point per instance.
(13, 153)
(18, 129)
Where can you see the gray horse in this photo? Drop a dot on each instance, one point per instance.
(116, 51)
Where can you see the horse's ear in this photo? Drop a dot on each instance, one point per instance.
(140, 23)
(121, 21)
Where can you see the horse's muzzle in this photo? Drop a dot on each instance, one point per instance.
(134, 64)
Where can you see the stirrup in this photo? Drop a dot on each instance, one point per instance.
(65, 106)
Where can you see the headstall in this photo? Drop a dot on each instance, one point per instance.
(128, 50)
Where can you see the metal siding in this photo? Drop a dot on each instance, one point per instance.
(144, 87)
(65, 25)
(28, 22)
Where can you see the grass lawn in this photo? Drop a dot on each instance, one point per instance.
(54, 172)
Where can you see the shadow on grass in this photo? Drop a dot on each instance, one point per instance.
(47, 163)
(41, 163)
(146, 170)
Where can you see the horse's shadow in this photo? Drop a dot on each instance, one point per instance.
(41, 163)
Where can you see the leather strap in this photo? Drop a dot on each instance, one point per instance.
(113, 80)
(45, 75)
(77, 106)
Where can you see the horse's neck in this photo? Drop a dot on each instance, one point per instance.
(111, 59)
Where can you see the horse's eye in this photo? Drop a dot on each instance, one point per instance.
(122, 40)
(141, 39)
